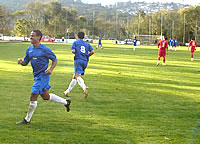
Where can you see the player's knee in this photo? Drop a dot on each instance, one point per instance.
(45, 96)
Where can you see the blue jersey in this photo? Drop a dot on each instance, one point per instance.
(82, 50)
(39, 58)
(174, 42)
(171, 42)
(134, 41)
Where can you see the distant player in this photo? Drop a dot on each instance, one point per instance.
(39, 54)
(192, 45)
(82, 51)
(134, 43)
(99, 43)
(171, 43)
(163, 45)
(174, 43)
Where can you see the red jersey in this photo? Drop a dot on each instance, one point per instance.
(163, 44)
(193, 44)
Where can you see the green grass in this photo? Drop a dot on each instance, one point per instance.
(131, 100)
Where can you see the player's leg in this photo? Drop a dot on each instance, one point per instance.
(192, 56)
(80, 70)
(32, 107)
(101, 46)
(159, 55)
(163, 61)
(55, 98)
(158, 62)
(71, 86)
(171, 47)
(82, 84)
(175, 48)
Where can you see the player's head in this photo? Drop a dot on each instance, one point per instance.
(81, 35)
(165, 38)
(193, 38)
(135, 37)
(36, 35)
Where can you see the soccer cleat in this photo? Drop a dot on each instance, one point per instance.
(86, 92)
(163, 64)
(66, 93)
(192, 59)
(158, 63)
(22, 122)
(68, 105)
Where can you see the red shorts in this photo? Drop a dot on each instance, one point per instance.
(192, 50)
(162, 53)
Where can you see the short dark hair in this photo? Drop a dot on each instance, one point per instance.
(193, 38)
(81, 35)
(166, 38)
(38, 33)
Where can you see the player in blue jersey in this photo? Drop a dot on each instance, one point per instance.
(39, 55)
(171, 43)
(134, 43)
(99, 43)
(82, 51)
(174, 43)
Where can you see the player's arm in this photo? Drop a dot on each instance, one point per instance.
(21, 62)
(91, 53)
(166, 44)
(49, 71)
(188, 46)
(158, 44)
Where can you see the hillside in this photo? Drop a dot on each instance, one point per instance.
(91, 10)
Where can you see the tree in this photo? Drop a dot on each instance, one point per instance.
(22, 27)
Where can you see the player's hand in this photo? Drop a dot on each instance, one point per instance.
(19, 61)
(48, 72)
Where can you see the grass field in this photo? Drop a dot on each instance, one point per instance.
(131, 100)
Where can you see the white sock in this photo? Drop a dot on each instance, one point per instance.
(58, 99)
(71, 85)
(32, 107)
(81, 82)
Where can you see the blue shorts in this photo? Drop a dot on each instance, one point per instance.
(80, 66)
(41, 83)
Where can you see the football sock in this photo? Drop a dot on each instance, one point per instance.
(81, 82)
(32, 107)
(71, 85)
(158, 58)
(192, 55)
(58, 99)
(163, 59)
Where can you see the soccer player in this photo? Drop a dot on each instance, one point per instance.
(82, 51)
(174, 43)
(163, 45)
(99, 43)
(39, 54)
(193, 45)
(134, 43)
(171, 43)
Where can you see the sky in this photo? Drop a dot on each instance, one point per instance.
(111, 2)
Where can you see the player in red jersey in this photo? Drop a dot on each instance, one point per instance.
(193, 45)
(163, 45)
